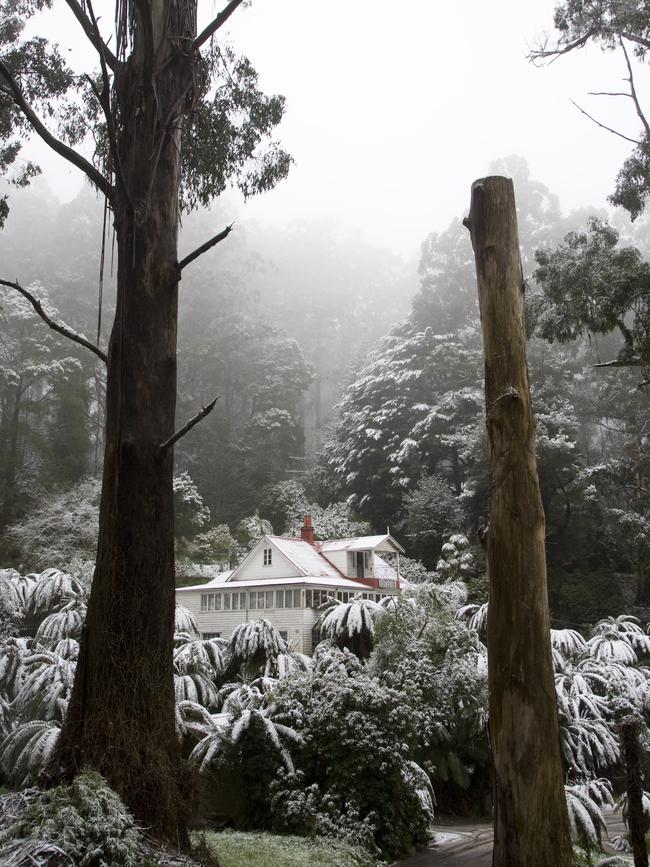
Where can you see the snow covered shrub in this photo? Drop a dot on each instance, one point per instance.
(299, 808)
(61, 527)
(358, 741)
(12, 608)
(85, 821)
(439, 667)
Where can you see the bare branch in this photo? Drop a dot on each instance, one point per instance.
(218, 22)
(632, 362)
(95, 39)
(603, 126)
(55, 326)
(608, 93)
(188, 426)
(57, 146)
(205, 247)
(637, 105)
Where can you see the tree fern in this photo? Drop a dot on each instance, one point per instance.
(27, 751)
(256, 642)
(54, 590)
(65, 623)
(585, 803)
(46, 687)
(185, 622)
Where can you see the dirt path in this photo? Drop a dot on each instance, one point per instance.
(470, 845)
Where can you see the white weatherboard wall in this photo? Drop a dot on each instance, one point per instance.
(253, 568)
(296, 622)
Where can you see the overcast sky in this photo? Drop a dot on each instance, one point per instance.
(394, 108)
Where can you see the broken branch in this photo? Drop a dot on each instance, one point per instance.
(205, 247)
(218, 22)
(55, 326)
(174, 438)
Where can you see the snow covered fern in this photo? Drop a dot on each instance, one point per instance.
(27, 751)
(351, 624)
(585, 805)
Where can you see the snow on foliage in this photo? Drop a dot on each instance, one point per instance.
(185, 622)
(53, 591)
(66, 623)
(46, 687)
(27, 751)
(585, 804)
(351, 623)
(475, 616)
(568, 642)
(82, 823)
(211, 655)
(255, 640)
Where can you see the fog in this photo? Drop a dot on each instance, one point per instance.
(393, 111)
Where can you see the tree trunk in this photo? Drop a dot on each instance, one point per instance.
(636, 820)
(531, 827)
(121, 714)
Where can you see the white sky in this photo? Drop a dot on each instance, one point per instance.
(394, 108)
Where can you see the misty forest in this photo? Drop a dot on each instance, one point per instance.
(435, 465)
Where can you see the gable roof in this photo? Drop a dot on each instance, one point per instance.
(305, 557)
(385, 543)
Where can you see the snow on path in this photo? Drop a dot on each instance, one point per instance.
(470, 845)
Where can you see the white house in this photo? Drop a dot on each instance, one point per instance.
(285, 580)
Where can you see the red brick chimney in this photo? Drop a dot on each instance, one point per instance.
(307, 530)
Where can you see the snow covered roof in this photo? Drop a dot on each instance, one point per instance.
(270, 584)
(361, 543)
(305, 557)
(221, 578)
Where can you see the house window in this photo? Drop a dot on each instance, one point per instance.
(235, 601)
(206, 636)
(260, 599)
(279, 598)
(217, 601)
(253, 601)
(204, 601)
(308, 599)
(269, 599)
(268, 553)
(242, 601)
(211, 602)
(226, 601)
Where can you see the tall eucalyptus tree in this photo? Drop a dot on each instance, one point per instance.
(174, 117)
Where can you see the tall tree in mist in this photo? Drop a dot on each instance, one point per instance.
(165, 137)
